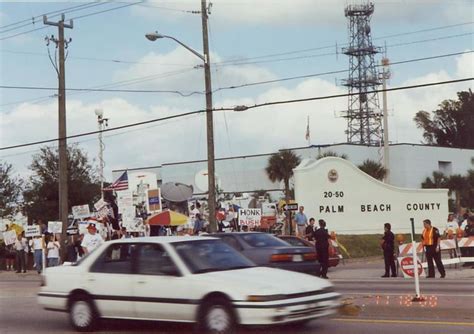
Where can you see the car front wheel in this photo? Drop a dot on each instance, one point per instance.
(217, 317)
(82, 315)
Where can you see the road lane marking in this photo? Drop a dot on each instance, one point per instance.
(374, 294)
(408, 322)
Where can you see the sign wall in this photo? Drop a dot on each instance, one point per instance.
(351, 202)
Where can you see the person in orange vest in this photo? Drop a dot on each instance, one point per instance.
(431, 241)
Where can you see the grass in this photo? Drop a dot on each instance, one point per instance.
(363, 245)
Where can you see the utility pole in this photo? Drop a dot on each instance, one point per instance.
(63, 187)
(211, 175)
(386, 148)
(102, 123)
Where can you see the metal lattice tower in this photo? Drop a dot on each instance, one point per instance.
(363, 113)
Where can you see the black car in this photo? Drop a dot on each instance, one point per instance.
(269, 251)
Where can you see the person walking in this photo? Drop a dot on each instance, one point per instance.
(37, 245)
(300, 222)
(387, 243)
(321, 236)
(431, 241)
(53, 251)
(21, 247)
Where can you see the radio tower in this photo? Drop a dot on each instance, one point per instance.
(363, 113)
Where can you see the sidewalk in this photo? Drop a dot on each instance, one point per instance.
(373, 267)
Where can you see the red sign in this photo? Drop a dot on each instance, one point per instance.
(407, 266)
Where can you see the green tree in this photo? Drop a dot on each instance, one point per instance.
(42, 191)
(332, 154)
(10, 189)
(438, 180)
(280, 168)
(458, 185)
(374, 169)
(452, 124)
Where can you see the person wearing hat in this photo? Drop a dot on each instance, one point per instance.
(91, 239)
(321, 237)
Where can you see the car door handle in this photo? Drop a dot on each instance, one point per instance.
(91, 279)
(141, 282)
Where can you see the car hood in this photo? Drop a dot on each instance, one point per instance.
(268, 280)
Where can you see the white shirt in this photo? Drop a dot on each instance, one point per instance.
(36, 243)
(453, 225)
(92, 241)
(21, 244)
(53, 249)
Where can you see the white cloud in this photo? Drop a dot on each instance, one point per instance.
(300, 12)
(258, 130)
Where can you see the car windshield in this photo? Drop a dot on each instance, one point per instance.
(202, 256)
(262, 240)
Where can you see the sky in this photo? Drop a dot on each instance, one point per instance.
(250, 41)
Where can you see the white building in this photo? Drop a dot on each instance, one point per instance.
(410, 165)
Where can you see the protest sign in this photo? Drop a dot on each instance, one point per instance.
(250, 217)
(81, 211)
(55, 227)
(9, 237)
(32, 231)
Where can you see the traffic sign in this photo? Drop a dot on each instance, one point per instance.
(290, 207)
(406, 264)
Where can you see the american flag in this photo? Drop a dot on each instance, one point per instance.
(120, 184)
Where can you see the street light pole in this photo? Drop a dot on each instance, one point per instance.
(211, 175)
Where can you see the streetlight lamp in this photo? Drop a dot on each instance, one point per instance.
(102, 123)
(209, 116)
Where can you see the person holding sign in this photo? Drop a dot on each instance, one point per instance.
(388, 247)
(21, 247)
(53, 251)
(91, 239)
(431, 241)
(37, 245)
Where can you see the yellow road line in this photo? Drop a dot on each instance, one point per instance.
(411, 322)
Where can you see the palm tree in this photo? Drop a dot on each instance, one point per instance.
(457, 184)
(439, 180)
(374, 169)
(280, 168)
(332, 154)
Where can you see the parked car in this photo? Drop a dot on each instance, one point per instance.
(334, 254)
(182, 279)
(267, 250)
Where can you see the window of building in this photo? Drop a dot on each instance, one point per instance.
(445, 167)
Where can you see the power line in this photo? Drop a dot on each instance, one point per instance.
(266, 104)
(128, 82)
(32, 19)
(335, 53)
(342, 44)
(73, 18)
(103, 90)
(236, 108)
(152, 77)
(337, 71)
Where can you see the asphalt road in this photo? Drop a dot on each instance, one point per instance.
(372, 306)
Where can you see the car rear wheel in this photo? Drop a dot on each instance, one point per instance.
(82, 314)
(217, 317)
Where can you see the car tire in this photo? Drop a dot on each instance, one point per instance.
(82, 314)
(216, 316)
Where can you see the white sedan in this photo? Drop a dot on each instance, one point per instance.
(182, 279)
